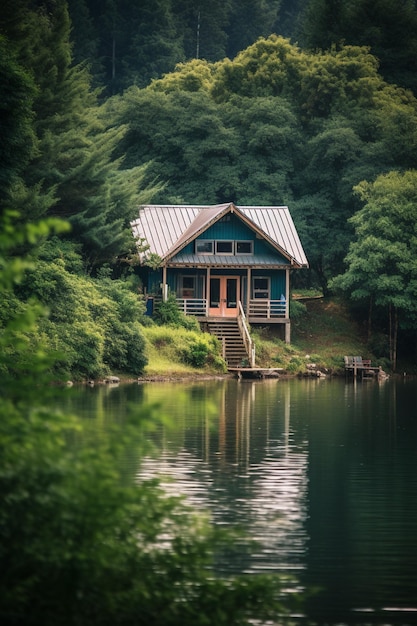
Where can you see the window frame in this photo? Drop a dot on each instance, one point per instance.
(256, 291)
(244, 241)
(204, 242)
(224, 241)
(191, 290)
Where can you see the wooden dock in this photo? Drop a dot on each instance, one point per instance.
(362, 369)
(256, 372)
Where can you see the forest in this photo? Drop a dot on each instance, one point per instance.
(108, 105)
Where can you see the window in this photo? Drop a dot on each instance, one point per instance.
(244, 247)
(224, 247)
(203, 246)
(261, 288)
(187, 286)
(214, 293)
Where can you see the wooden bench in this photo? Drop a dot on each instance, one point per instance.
(358, 366)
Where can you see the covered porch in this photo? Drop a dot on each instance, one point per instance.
(260, 294)
(263, 293)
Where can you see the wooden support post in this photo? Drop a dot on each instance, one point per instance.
(287, 293)
(287, 307)
(164, 284)
(248, 291)
(208, 292)
(288, 332)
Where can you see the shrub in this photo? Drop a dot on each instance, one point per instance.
(93, 324)
(296, 364)
(197, 353)
(198, 348)
(168, 313)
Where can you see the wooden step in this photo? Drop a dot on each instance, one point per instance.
(228, 331)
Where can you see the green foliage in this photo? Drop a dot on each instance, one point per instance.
(18, 139)
(297, 309)
(133, 43)
(73, 172)
(386, 26)
(200, 349)
(168, 312)
(92, 547)
(93, 324)
(381, 262)
(296, 364)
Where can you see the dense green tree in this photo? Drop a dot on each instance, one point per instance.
(17, 136)
(73, 172)
(381, 262)
(268, 148)
(290, 18)
(324, 23)
(133, 42)
(249, 20)
(190, 146)
(387, 27)
(205, 27)
(85, 39)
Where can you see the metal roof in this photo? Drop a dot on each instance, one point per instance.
(168, 228)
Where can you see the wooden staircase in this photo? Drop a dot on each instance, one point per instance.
(228, 333)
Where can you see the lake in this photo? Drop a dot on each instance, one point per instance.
(321, 473)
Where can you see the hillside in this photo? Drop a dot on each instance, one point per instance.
(328, 329)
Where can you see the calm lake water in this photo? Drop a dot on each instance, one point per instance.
(321, 473)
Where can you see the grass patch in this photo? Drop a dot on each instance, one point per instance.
(178, 351)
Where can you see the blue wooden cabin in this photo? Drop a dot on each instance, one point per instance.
(221, 261)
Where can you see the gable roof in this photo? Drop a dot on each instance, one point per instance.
(169, 228)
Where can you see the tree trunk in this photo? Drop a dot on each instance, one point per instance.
(370, 318)
(393, 336)
(394, 340)
(113, 64)
(390, 332)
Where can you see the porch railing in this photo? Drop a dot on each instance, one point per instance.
(193, 306)
(267, 308)
(247, 340)
(261, 309)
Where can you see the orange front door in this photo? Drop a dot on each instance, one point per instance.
(224, 296)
